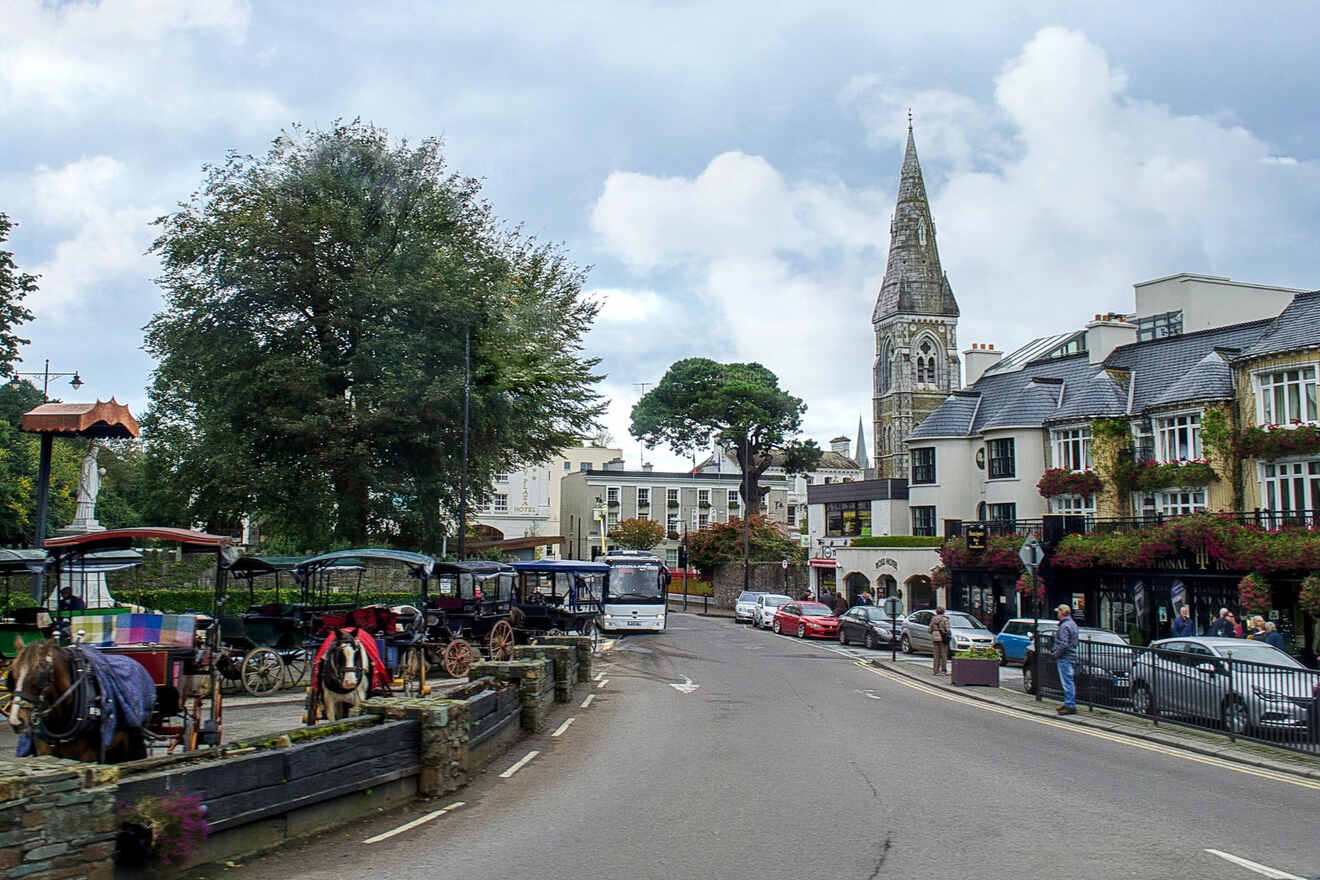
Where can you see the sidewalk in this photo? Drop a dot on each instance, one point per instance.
(1189, 739)
(704, 605)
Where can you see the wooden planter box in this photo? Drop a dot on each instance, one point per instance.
(982, 673)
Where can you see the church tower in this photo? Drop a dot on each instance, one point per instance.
(916, 323)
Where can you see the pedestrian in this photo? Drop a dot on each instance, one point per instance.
(1065, 655)
(1256, 627)
(840, 604)
(1222, 627)
(866, 598)
(1235, 624)
(70, 602)
(805, 597)
(1274, 637)
(940, 636)
(1183, 625)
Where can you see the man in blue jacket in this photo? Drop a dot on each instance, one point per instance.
(1065, 655)
(1183, 625)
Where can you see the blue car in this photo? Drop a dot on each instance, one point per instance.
(1012, 641)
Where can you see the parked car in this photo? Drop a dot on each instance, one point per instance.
(868, 624)
(966, 631)
(1012, 641)
(766, 606)
(745, 605)
(806, 619)
(1101, 674)
(1240, 685)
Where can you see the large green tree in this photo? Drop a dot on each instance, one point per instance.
(739, 407)
(637, 534)
(311, 349)
(14, 287)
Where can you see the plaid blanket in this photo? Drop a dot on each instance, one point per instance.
(171, 630)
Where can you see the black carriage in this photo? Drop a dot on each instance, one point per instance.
(557, 596)
(472, 601)
(265, 643)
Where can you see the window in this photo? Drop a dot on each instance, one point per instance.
(1160, 326)
(500, 502)
(1178, 438)
(643, 496)
(1179, 503)
(671, 557)
(923, 465)
(568, 465)
(703, 498)
(1292, 486)
(923, 521)
(613, 521)
(1002, 512)
(734, 499)
(1073, 504)
(671, 524)
(584, 465)
(1000, 454)
(1287, 396)
(644, 513)
(926, 363)
(848, 519)
(703, 519)
(671, 497)
(792, 514)
(612, 496)
(1072, 448)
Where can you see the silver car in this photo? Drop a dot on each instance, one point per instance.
(766, 606)
(966, 631)
(1226, 681)
(745, 605)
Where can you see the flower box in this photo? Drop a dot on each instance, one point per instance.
(966, 672)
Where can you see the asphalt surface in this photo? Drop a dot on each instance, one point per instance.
(791, 760)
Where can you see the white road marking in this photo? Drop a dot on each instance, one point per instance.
(870, 695)
(686, 687)
(408, 826)
(599, 676)
(602, 684)
(587, 701)
(521, 764)
(563, 727)
(1263, 870)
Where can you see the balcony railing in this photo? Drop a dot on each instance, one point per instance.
(1270, 520)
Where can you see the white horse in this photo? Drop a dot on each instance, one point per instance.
(343, 678)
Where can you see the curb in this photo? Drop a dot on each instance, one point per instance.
(1263, 764)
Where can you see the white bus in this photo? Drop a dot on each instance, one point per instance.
(634, 595)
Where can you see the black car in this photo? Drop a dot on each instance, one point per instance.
(1102, 675)
(867, 624)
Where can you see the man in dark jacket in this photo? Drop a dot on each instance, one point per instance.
(1273, 637)
(1065, 656)
(1222, 627)
(1183, 625)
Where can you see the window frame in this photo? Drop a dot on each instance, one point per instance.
(1166, 429)
(860, 518)
(1003, 507)
(1266, 382)
(497, 505)
(1068, 443)
(923, 473)
(991, 458)
(923, 529)
(1286, 478)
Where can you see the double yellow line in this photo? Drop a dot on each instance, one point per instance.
(1098, 734)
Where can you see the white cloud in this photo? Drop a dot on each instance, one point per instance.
(626, 306)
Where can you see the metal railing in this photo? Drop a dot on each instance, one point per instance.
(1243, 699)
(1270, 520)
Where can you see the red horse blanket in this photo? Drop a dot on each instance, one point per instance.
(380, 676)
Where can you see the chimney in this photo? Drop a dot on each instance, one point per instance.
(841, 446)
(648, 467)
(614, 464)
(977, 359)
(1106, 333)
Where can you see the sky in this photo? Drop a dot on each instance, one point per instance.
(727, 170)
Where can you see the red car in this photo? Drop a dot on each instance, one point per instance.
(806, 619)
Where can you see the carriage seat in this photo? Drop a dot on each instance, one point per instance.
(110, 630)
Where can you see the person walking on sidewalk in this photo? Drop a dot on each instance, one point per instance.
(1065, 658)
(1183, 625)
(940, 636)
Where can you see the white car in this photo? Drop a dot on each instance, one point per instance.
(766, 606)
(745, 605)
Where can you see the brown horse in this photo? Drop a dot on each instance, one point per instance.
(58, 704)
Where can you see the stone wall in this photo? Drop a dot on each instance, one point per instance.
(535, 680)
(768, 577)
(582, 644)
(57, 819)
(564, 658)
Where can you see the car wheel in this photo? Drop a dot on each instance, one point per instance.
(870, 641)
(1003, 657)
(907, 644)
(778, 630)
(1143, 701)
(1234, 716)
(1028, 679)
(802, 631)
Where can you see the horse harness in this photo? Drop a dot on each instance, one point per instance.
(84, 696)
(333, 670)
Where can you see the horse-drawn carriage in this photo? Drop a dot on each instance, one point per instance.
(264, 645)
(554, 596)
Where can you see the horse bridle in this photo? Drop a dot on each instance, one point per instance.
(83, 695)
(330, 659)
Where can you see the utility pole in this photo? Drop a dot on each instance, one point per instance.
(747, 512)
(463, 477)
(642, 456)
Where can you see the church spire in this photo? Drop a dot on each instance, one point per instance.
(862, 459)
(914, 282)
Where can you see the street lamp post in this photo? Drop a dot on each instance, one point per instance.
(46, 375)
(747, 513)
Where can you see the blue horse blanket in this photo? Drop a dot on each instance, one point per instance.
(128, 695)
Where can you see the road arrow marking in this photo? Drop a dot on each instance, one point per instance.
(602, 683)
(870, 695)
(686, 687)
(1263, 870)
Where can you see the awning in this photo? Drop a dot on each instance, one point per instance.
(821, 563)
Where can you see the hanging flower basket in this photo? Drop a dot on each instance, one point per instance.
(1254, 594)
(1277, 441)
(940, 578)
(1031, 586)
(1062, 481)
(1309, 598)
(1152, 476)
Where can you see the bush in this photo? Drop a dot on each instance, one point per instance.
(977, 654)
(897, 541)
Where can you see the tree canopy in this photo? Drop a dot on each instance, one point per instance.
(740, 407)
(722, 543)
(637, 534)
(14, 287)
(317, 305)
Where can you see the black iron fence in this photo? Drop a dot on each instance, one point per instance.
(1219, 685)
(1054, 526)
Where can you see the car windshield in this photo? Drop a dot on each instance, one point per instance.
(774, 601)
(878, 613)
(1255, 653)
(963, 621)
(745, 596)
(634, 582)
(815, 611)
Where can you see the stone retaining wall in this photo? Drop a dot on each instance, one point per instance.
(57, 819)
(564, 657)
(535, 680)
(582, 644)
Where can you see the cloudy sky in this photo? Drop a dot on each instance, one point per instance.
(727, 169)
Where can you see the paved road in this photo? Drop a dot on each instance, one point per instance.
(789, 760)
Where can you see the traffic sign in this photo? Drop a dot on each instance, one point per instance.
(783, 563)
(1031, 554)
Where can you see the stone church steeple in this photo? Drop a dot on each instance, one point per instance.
(916, 322)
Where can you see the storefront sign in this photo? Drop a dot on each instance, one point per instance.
(976, 538)
(886, 562)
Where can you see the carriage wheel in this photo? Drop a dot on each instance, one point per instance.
(413, 673)
(262, 672)
(295, 667)
(458, 658)
(500, 641)
(591, 631)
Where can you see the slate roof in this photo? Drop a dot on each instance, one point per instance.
(952, 418)
(1297, 327)
(1157, 364)
(1210, 379)
(1099, 394)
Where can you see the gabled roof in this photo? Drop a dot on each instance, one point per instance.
(1100, 394)
(1296, 328)
(1210, 379)
(952, 418)
(1029, 402)
(1157, 364)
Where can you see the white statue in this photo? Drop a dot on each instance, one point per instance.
(89, 485)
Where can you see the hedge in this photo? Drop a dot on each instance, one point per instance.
(200, 601)
(897, 541)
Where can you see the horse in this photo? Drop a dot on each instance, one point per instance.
(343, 675)
(61, 699)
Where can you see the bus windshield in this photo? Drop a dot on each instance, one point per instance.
(634, 581)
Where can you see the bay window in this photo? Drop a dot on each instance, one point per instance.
(1178, 438)
(1071, 448)
(1287, 396)
(1291, 487)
